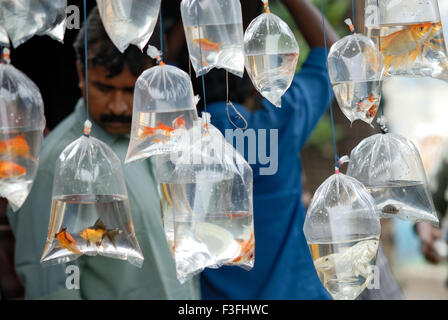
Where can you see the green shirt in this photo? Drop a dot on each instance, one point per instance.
(100, 277)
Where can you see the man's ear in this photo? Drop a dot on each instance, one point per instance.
(80, 72)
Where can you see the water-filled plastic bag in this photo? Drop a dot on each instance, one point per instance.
(90, 213)
(342, 230)
(23, 19)
(271, 54)
(410, 36)
(206, 198)
(22, 123)
(164, 108)
(356, 69)
(390, 167)
(217, 41)
(129, 21)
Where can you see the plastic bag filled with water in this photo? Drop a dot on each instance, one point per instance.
(206, 199)
(164, 108)
(410, 36)
(342, 230)
(271, 54)
(23, 19)
(22, 123)
(356, 69)
(390, 167)
(129, 21)
(90, 213)
(214, 33)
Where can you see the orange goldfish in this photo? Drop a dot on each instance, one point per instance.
(372, 112)
(66, 241)
(366, 103)
(16, 146)
(178, 123)
(247, 249)
(9, 169)
(208, 45)
(151, 131)
(98, 232)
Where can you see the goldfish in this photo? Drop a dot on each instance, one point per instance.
(369, 104)
(208, 45)
(17, 146)
(151, 131)
(66, 241)
(9, 169)
(247, 249)
(178, 123)
(98, 232)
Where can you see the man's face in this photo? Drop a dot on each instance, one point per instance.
(110, 99)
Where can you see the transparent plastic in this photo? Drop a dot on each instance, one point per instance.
(90, 213)
(271, 54)
(23, 19)
(356, 69)
(410, 36)
(22, 123)
(218, 40)
(164, 108)
(390, 167)
(206, 199)
(129, 21)
(342, 230)
(4, 40)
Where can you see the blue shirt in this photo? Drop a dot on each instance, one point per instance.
(283, 265)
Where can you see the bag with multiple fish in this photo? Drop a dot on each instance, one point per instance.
(356, 69)
(214, 33)
(390, 167)
(271, 54)
(342, 230)
(129, 21)
(23, 19)
(410, 36)
(22, 124)
(206, 198)
(90, 213)
(164, 108)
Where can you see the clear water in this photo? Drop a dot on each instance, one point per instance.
(23, 152)
(413, 50)
(222, 48)
(272, 74)
(201, 230)
(78, 212)
(358, 100)
(409, 200)
(143, 146)
(344, 268)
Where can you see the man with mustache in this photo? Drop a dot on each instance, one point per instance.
(112, 77)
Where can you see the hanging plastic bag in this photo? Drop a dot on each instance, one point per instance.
(356, 69)
(22, 124)
(23, 19)
(342, 230)
(129, 21)
(206, 199)
(164, 108)
(90, 212)
(390, 167)
(410, 36)
(214, 33)
(271, 53)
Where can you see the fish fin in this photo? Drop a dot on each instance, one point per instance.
(99, 224)
(111, 234)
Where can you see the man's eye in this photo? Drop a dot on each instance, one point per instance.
(103, 88)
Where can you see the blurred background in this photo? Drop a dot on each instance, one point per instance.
(414, 108)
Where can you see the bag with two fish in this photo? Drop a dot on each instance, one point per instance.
(390, 167)
(342, 230)
(271, 53)
(164, 108)
(22, 19)
(356, 69)
(129, 21)
(410, 36)
(90, 213)
(22, 123)
(214, 33)
(206, 198)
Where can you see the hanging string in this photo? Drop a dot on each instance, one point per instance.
(86, 60)
(353, 12)
(336, 158)
(201, 56)
(161, 32)
(228, 102)
(379, 46)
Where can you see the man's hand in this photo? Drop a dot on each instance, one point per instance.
(428, 235)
